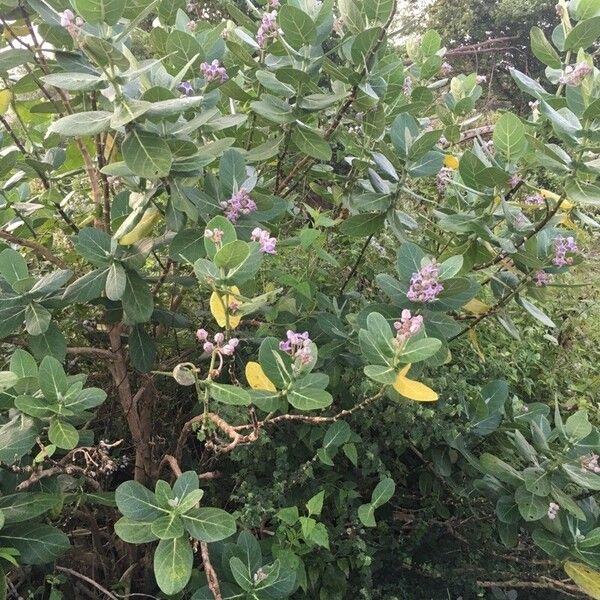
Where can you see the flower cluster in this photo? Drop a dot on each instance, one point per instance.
(215, 235)
(70, 22)
(424, 285)
(481, 79)
(239, 204)
(297, 345)
(563, 245)
(575, 75)
(515, 180)
(267, 243)
(542, 279)
(534, 200)
(443, 179)
(446, 68)
(186, 87)
(553, 509)
(213, 71)
(407, 326)
(218, 344)
(267, 29)
(590, 463)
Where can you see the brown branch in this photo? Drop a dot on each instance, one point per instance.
(59, 469)
(211, 575)
(547, 584)
(35, 246)
(85, 578)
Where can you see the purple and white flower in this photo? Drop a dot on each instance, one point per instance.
(239, 204)
(268, 28)
(407, 326)
(425, 285)
(562, 247)
(213, 71)
(297, 345)
(574, 76)
(267, 243)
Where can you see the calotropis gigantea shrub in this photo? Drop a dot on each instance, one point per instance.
(203, 197)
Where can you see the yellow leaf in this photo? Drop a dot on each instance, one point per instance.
(566, 205)
(16, 29)
(477, 307)
(568, 222)
(217, 308)
(257, 379)
(5, 98)
(451, 161)
(142, 229)
(586, 578)
(472, 335)
(411, 389)
(549, 195)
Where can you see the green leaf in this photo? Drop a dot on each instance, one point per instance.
(309, 398)
(241, 573)
(168, 527)
(137, 502)
(298, 28)
(142, 349)
(366, 515)
(137, 300)
(276, 364)
(498, 468)
(173, 560)
(25, 506)
(315, 504)
(229, 394)
(14, 57)
(134, 532)
(63, 434)
(146, 154)
(382, 374)
(581, 192)
(13, 266)
(82, 124)
(22, 364)
(578, 426)
(509, 137)
(310, 141)
(209, 524)
(584, 34)
(74, 82)
(550, 544)
(17, 436)
(52, 343)
(116, 281)
(337, 434)
(537, 481)
(37, 543)
(363, 225)
(383, 492)
(409, 260)
(535, 312)
(88, 287)
(364, 44)
(531, 506)
(95, 245)
(584, 479)
(232, 254)
(423, 144)
(99, 11)
(273, 109)
(183, 50)
(37, 319)
(543, 50)
(52, 379)
(420, 349)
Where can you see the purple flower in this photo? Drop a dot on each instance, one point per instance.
(424, 285)
(515, 180)
(202, 335)
(216, 235)
(562, 246)
(213, 71)
(267, 29)
(542, 279)
(239, 204)
(267, 243)
(446, 68)
(297, 345)
(407, 86)
(407, 326)
(534, 200)
(274, 3)
(590, 463)
(575, 75)
(67, 17)
(443, 179)
(186, 88)
(219, 347)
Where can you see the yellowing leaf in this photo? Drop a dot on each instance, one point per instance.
(257, 379)
(549, 195)
(5, 98)
(413, 390)
(568, 222)
(472, 335)
(217, 308)
(477, 307)
(142, 229)
(566, 205)
(586, 578)
(16, 29)
(451, 161)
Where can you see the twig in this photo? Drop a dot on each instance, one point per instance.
(211, 576)
(356, 264)
(35, 246)
(99, 587)
(547, 584)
